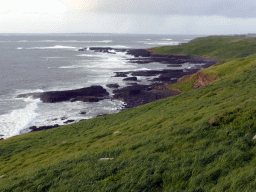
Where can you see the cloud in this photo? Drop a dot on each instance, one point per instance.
(32, 6)
(131, 16)
(85, 5)
(228, 8)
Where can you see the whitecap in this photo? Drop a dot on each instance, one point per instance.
(86, 55)
(104, 41)
(70, 67)
(19, 47)
(166, 39)
(22, 41)
(53, 57)
(54, 47)
(120, 46)
(24, 91)
(145, 69)
(163, 43)
(112, 46)
(13, 123)
(46, 41)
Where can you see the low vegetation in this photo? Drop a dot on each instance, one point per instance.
(200, 140)
(220, 47)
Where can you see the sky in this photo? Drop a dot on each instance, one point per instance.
(201, 17)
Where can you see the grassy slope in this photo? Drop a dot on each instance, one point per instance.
(200, 140)
(221, 47)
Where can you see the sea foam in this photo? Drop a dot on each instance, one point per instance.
(54, 47)
(13, 123)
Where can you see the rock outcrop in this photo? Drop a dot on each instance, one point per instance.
(87, 94)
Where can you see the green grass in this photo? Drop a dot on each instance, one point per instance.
(221, 47)
(223, 69)
(200, 140)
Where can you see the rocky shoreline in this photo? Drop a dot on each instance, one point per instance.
(133, 94)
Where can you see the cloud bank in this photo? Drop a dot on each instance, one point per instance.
(129, 16)
(227, 8)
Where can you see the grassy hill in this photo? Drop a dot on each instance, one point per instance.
(201, 140)
(221, 47)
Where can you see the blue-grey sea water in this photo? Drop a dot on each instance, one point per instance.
(46, 62)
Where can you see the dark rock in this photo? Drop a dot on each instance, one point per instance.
(134, 92)
(101, 49)
(82, 112)
(146, 73)
(54, 119)
(73, 95)
(132, 84)
(1, 139)
(63, 118)
(139, 52)
(129, 90)
(112, 85)
(69, 121)
(163, 77)
(143, 56)
(34, 128)
(87, 99)
(83, 49)
(130, 79)
(121, 74)
(174, 65)
(140, 61)
(137, 95)
(166, 75)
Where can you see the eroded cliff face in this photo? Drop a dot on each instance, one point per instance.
(197, 80)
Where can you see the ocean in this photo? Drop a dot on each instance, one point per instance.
(51, 62)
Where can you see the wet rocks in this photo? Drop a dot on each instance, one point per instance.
(142, 56)
(135, 95)
(134, 92)
(69, 121)
(139, 52)
(147, 73)
(82, 112)
(63, 118)
(87, 99)
(130, 79)
(115, 85)
(87, 94)
(174, 65)
(34, 128)
(121, 74)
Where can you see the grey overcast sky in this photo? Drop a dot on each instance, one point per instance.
(128, 16)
